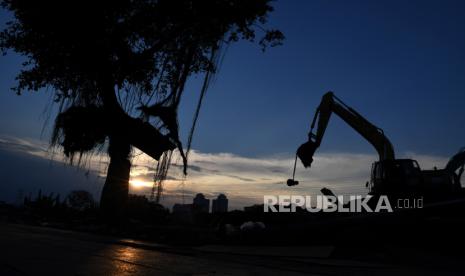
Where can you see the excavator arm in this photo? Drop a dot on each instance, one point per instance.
(456, 162)
(331, 104)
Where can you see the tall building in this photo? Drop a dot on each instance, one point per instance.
(220, 204)
(201, 204)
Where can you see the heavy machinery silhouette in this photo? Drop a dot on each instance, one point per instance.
(389, 176)
(456, 165)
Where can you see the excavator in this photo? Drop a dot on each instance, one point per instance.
(456, 165)
(389, 176)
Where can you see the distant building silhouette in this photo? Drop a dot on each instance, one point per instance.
(256, 208)
(182, 212)
(182, 208)
(201, 204)
(220, 204)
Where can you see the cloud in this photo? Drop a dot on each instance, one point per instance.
(243, 179)
(26, 168)
(14, 144)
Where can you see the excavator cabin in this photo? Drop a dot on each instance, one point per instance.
(395, 176)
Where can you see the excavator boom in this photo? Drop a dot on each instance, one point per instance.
(456, 162)
(331, 104)
(455, 166)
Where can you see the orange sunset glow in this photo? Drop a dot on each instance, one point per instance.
(138, 183)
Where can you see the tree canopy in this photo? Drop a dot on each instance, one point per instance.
(145, 49)
(118, 68)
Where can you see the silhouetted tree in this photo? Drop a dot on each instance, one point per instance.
(44, 205)
(80, 200)
(141, 208)
(114, 65)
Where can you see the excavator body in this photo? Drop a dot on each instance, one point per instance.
(404, 178)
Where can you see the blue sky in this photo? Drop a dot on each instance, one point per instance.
(399, 63)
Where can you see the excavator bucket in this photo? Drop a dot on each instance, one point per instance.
(305, 153)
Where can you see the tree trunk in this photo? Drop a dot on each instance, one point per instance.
(115, 191)
(125, 132)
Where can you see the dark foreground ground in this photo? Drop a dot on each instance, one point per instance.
(30, 250)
